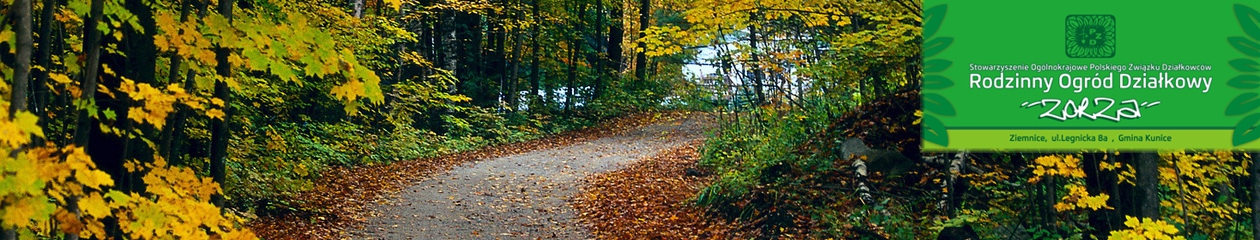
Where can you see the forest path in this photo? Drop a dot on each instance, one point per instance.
(521, 196)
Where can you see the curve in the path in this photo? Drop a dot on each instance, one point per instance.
(520, 196)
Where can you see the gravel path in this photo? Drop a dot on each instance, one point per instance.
(517, 197)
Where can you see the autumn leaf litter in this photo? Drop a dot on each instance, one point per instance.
(341, 200)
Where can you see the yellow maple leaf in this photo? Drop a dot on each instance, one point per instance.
(20, 213)
(94, 178)
(1094, 202)
(1047, 160)
(12, 135)
(918, 117)
(67, 221)
(54, 171)
(161, 42)
(94, 205)
(1166, 228)
(215, 114)
(78, 159)
(349, 91)
(136, 114)
(60, 78)
(1062, 206)
(205, 56)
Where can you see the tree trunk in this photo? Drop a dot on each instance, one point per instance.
(167, 135)
(181, 117)
(594, 59)
(219, 127)
(1117, 196)
(21, 10)
(91, 47)
(438, 33)
(44, 57)
(1098, 182)
(640, 61)
(140, 64)
(616, 34)
(533, 47)
(575, 50)
(22, 64)
(429, 36)
(914, 73)
(358, 8)
(469, 54)
(568, 93)
(1148, 184)
(1255, 195)
(450, 48)
(63, 99)
(514, 80)
(500, 62)
(429, 44)
(758, 75)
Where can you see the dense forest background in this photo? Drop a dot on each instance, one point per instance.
(149, 118)
(185, 119)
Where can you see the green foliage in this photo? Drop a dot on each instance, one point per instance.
(778, 161)
(759, 175)
(477, 123)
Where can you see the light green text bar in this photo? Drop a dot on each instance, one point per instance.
(1076, 139)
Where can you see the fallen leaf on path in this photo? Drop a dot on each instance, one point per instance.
(649, 199)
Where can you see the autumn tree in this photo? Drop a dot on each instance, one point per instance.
(124, 100)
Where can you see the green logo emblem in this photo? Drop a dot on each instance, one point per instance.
(1091, 36)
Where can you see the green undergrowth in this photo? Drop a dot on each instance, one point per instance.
(777, 170)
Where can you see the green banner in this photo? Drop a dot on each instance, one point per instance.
(1123, 70)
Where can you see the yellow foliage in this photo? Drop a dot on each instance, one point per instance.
(1069, 168)
(40, 183)
(1054, 165)
(215, 114)
(1079, 198)
(154, 104)
(1146, 228)
(176, 205)
(665, 40)
(349, 91)
(93, 179)
(37, 182)
(1193, 180)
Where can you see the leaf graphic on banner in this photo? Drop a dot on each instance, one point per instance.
(1246, 131)
(933, 102)
(1245, 82)
(939, 65)
(1244, 45)
(1248, 18)
(937, 82)
(936, 46)
(1242, 104)
(932, 18)
(934, 131)
(1244, 65)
